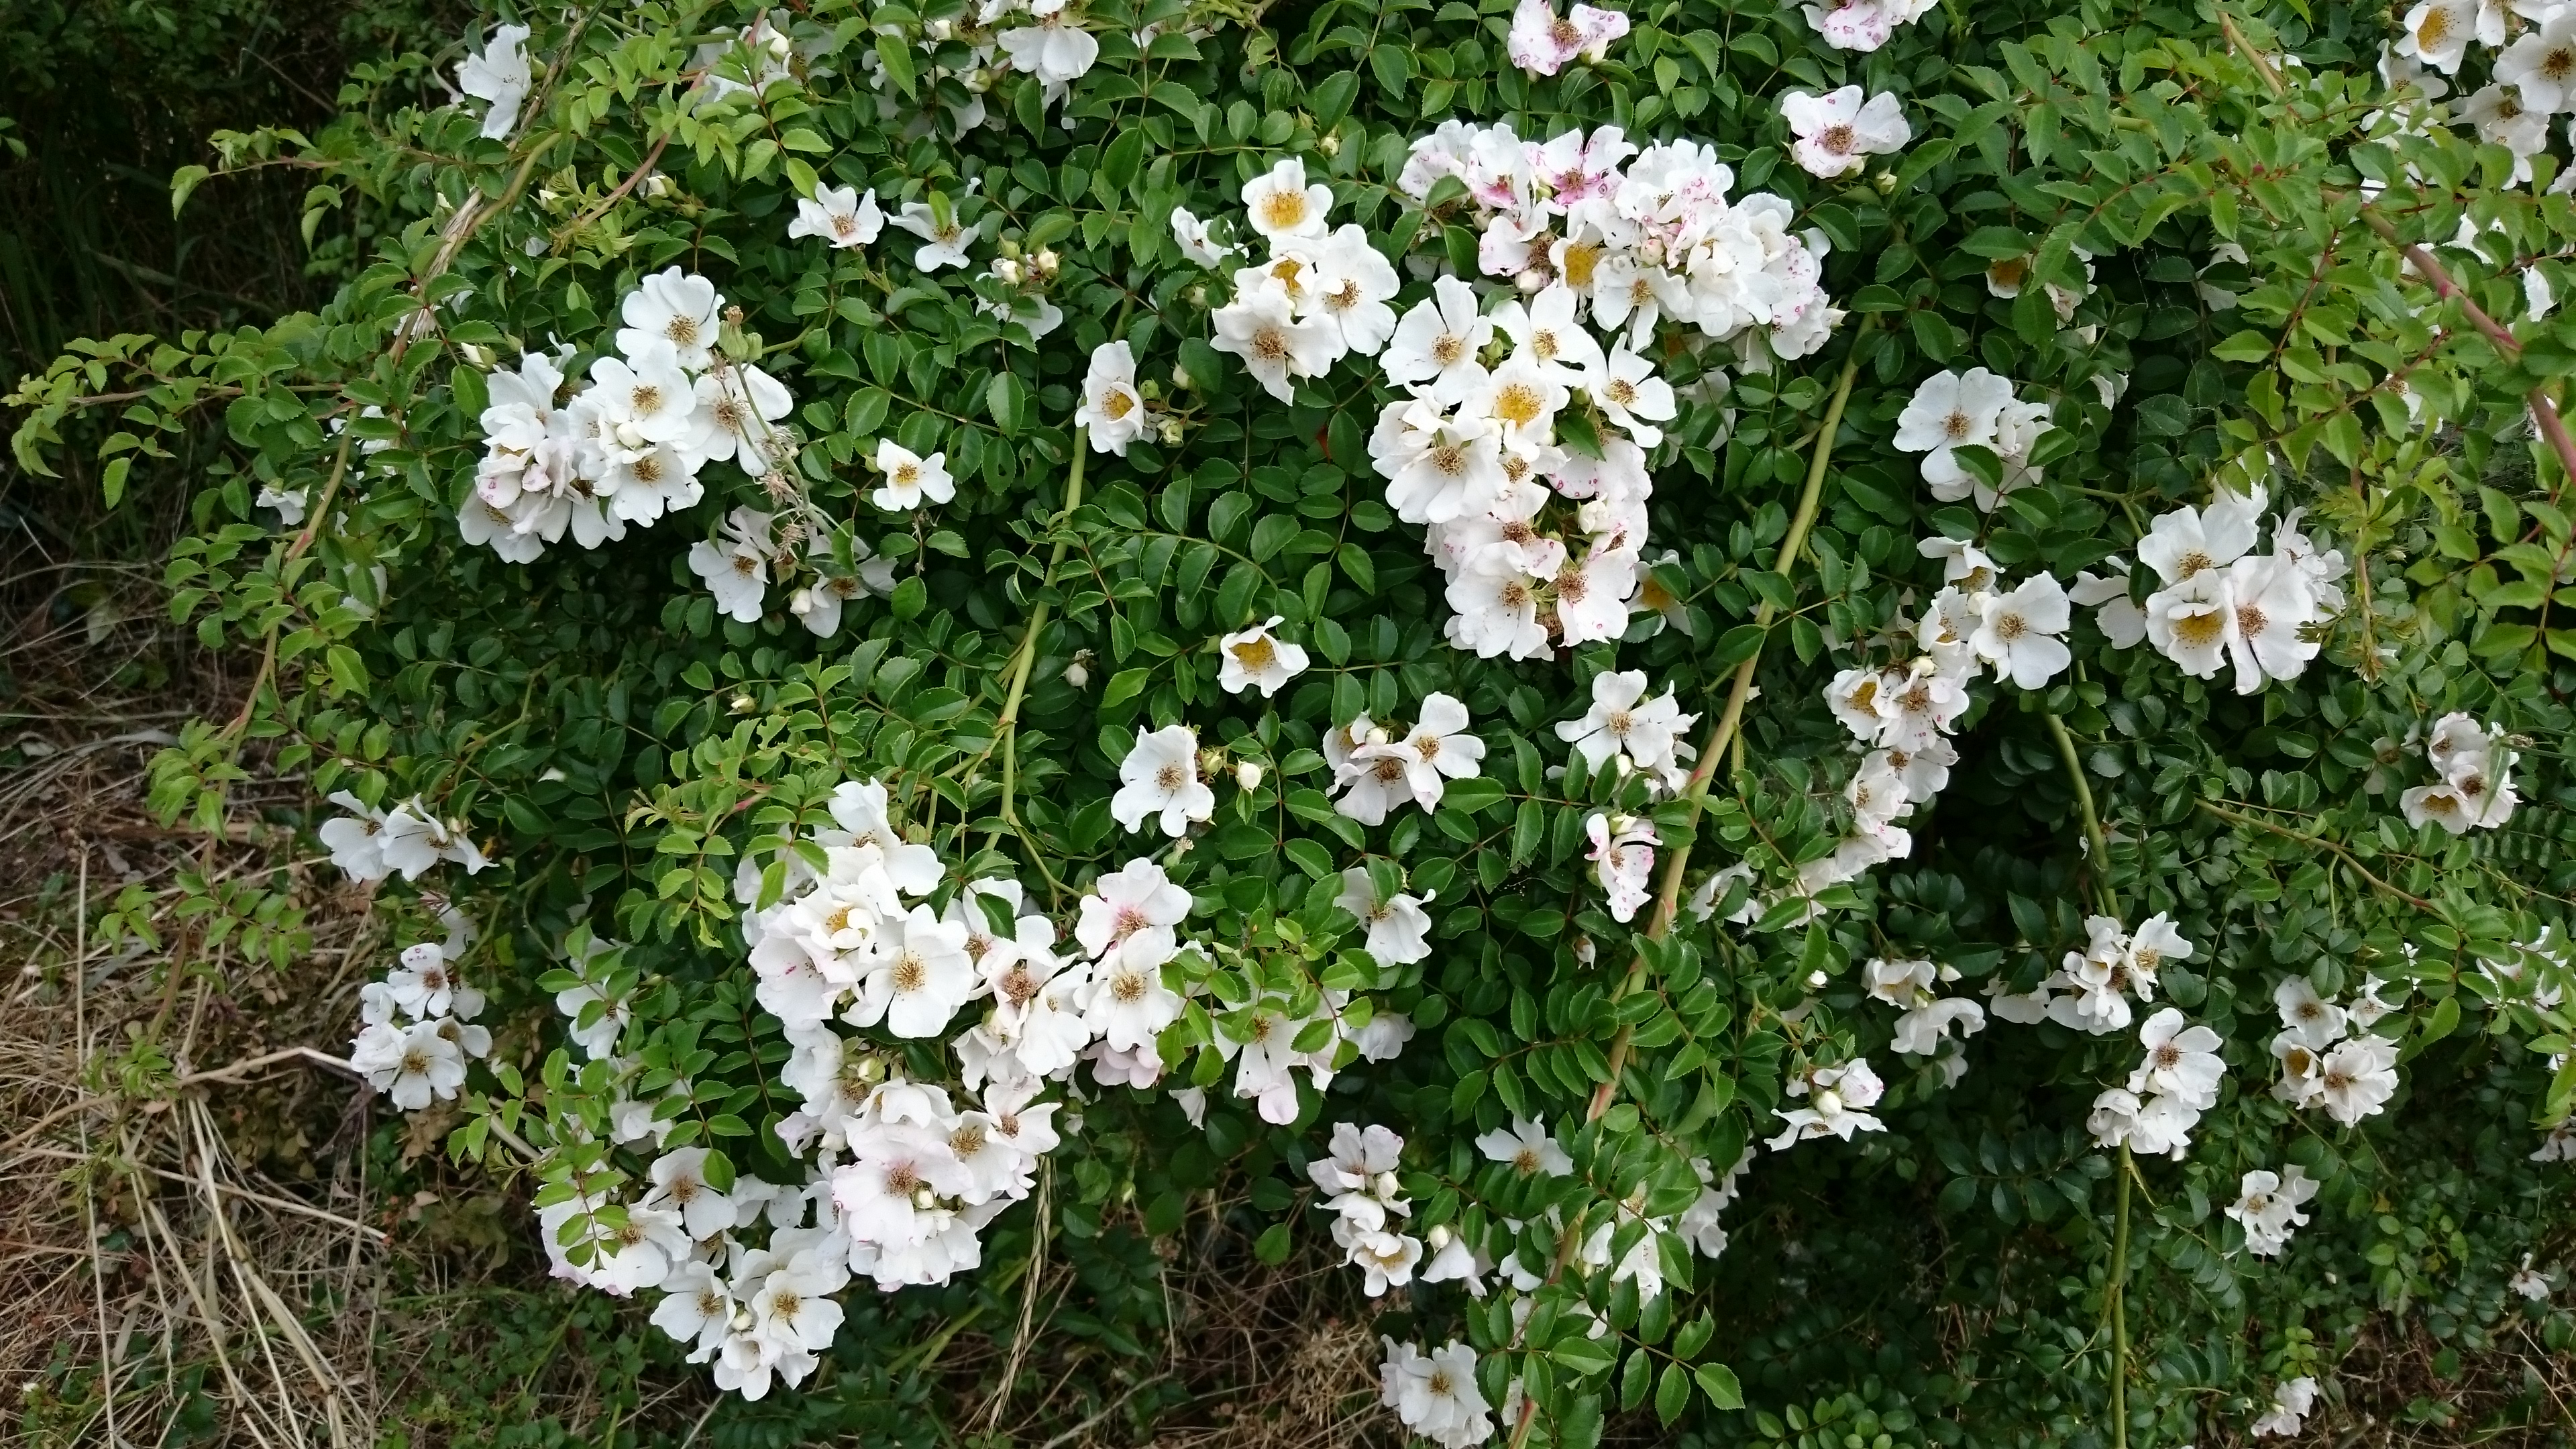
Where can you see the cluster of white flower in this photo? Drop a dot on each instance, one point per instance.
(1902, 715)
(1838, 132)
(2090, 990)
(1863, 24)
(1375, 771)
(1625, 730)
(628, 447)
(2291, 1404)
(2328, 1054)
(1361, 1190)
(759, 1308)
(1321, 295)
(2155, 1112)
(1543, 42)
(1950, 411)
(1435, 1394)
(1040, 38)
(1923, 1030)
(415, 1031)
(2267, 1207)
(1261, 1036)
(1528, 1148)
(904, 1174)
(370, 844)
(2221, 602)
(2476, 791)
(1636, 235)
(2533, 79)
(1838, 1103)
(751, 548)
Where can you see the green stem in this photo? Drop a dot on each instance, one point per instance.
(2120, 1309)
(2330, 847)
(2097, 847)
(1721, 736)
(1027, 654)
(1727, 731)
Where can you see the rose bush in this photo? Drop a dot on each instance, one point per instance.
(1489, 639)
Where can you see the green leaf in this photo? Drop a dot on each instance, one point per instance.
(1007, 399)
(1123, 686)
(1718, 1382)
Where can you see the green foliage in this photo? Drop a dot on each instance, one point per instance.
(623, 747)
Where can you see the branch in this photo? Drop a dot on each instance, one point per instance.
(2321, 843)
(1721, 734)
(2097, 846)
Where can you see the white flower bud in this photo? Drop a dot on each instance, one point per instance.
(1385, 1186)
(942, 29)
(657, 186)
(801, 603)
(1170, 431)
(1829, 1103)
(1181, 379)
(924, 1199)
(1330, 143)
(1439, 1237)
(1531, 280)
(1008, 270)
(1047, 261)
(1247, 776)
(1816, 980)
(477, 354)
(742, 704)
(1949, 973)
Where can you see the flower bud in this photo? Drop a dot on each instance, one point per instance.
(1816, 980)
(1439, 1236)
(1247, 776)
(801, 603)
(1181, 379)
(1885, 181)
(942, 29)
(1008, 269)
(1330, 143)
(871, 1070)
(1829, 1103)
(1949, 973)
(924, 1199)
(1150, 390)
(1047, 261)
(477, 355)
(1386, 1187)
(657, 186)
(1197, 296)
(1531, 279)
(1211, 763)
(1077, 673)
(1169, 429)
(742, 704)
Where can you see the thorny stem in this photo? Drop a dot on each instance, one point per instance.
(1727, 731)
(2321, 843)
(2119, 1295)
(2097, 847)
(2544, 412)
(1721, 735)
(1026, 656)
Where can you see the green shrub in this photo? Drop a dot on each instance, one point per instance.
(916, 686)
